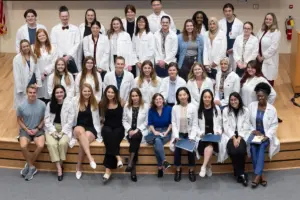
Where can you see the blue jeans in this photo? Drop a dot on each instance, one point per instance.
(158, 144)
(258, 156)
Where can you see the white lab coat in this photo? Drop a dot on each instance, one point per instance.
(22, 76)
(164, 87)
(142, 120)
(270, 123)
(80, 48)
(248, 94)
(215, 51)
(66, 115)
(124, 21)
(124, 49)
(194, 90)
(251, 49)
(102, 51)
(192, 118)
(231, 84)
(236, 30)
(22, 33)
(46, 63)
(155, 20)
(269, 47)
(89, 80)
(231, 123)
(203, 30)
(126, 85)
(171, 47)
(148, 89)
(70, 89)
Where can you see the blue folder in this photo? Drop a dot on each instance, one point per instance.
(211, 138)
(186, 144)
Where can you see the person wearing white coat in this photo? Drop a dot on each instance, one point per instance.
(232, 27)
(129, 22)
(135, 119)
(28, 30)
(25, 72)
(264, 122)
(215, 45)
(184, 126)
(61, 76)
(59, 116)
(201, 21)
(66, 38)
(46, 57)
(170, 84)
(210, 122)
(269, 39)
(87, 125)
(147, 81)
(227, 82)
(245, 48)
(166, 46)
(89, 75)
(236, 123)
(198, 82)
(143, 44)
(252, 77)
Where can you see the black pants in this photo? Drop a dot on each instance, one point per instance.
(71, 65)
(240, 72)
(177, 154)
(161, 72)
(212, 74)
(112, 138)
(135, 142)
(46, 101)
(186, 66)
(237, 156)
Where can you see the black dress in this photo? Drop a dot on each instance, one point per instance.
(113, 134)
(209, 128)
(85, 119)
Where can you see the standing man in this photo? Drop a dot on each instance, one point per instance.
(155, 18)
(66, 38)
(30, 117)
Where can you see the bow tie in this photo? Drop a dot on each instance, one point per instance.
(65, 27)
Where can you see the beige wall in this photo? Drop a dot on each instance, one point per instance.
(179, 9)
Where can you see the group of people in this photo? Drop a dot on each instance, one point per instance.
(141, 82)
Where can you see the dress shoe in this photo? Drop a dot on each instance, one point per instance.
(177, 176)
(160, 173)
(61, 177)
(243, 180)
(192, 176)
(134, 177)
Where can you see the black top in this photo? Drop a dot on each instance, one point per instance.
(135, 112)
(87, 31)
(57, 114)
(230, 42)
(113, 117)
(85, 118)
(209, 120)
(130, 28)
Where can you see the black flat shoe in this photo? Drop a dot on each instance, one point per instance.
(177, 176)
(243, 180)
(160, 173)
(60, 178)
(128, 169)
(134, 177)
(192, 176)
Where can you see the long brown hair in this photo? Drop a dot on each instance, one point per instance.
(30, 52)
(111, 31)
(191, 75)
(130, 102)
(274, 25)
(84, 73)
(253, 64)
(92, 99)
(153, 75)
(37, 45)
(103, 105)
(56, 77)
(185, 34)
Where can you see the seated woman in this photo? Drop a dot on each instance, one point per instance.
(264, 122)
(59, 116)
(135, 119)
(112, 130)
(159, 122)
(227, 81)
(87, 125)
(170, 84)
(236, 125)
(210, 122)
(184, 126)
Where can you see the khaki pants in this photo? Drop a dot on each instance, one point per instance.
(57, 147)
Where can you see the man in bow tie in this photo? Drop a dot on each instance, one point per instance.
(66, 38)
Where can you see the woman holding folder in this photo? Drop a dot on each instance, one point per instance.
(184, 127)
(210, 122)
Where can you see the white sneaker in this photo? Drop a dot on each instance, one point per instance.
(93, 165)
(202, 172)
(208, 171)
(78, 174)
(120, 164)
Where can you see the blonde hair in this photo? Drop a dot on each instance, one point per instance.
(92, 99)
(215, 20)
(152, 74)
(274, 25)
(56, 78)
(226, 59)
(191, 75)
(30, 52)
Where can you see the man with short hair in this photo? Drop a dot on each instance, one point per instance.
(30, 117)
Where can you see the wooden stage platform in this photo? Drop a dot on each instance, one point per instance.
(11, 156)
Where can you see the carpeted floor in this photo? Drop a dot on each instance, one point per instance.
(282, 185)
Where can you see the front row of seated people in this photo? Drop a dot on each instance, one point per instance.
(65, 120)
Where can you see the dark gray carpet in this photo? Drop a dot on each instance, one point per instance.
(282, 185)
